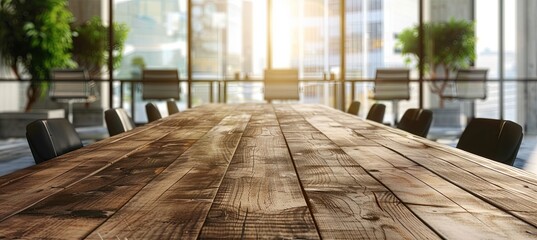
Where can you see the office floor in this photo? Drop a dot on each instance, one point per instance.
(15, 154)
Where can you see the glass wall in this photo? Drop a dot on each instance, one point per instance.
(487, 51)
(371, 42)
(512, 93)
(157, 38)
(229, 45)
(306, 36)
(228, 42)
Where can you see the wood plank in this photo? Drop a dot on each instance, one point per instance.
(505, 192)
(346, 202)
(68, 169)
(171, 147)
(425, 193)
(441, 204)
(175, 204)
(268, 171)
(260, 196)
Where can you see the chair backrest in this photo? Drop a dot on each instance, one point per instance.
(392, 84)
(354, 108)
(416, 121)
(71, 84)
(471, 84)
(281, 84)
(172, 107)
(50, 138)
(118, 121)
(376, 112)
(498, 140)
(160, 84)
(152, 112)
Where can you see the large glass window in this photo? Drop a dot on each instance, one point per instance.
(511, 88)
(157, 39)
(371, 42)
(306, 36)
(228, 38)
(157, 35)
(487, 51)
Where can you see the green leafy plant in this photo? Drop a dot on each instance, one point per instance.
(90, 45)
(449, 46)
(138, 62)
(37, 36)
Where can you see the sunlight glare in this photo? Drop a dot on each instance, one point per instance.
(281, 34)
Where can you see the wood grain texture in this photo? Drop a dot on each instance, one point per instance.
(260, 196)
(123, 176)
(437, 201)
(176, 202)
(346, 201)
(503, 191)
(268, 171)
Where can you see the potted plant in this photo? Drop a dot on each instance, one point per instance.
(449, 46)
(90, 45)
(138, 64)
(35, 38)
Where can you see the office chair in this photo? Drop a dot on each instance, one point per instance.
(281, 84)
(51, 138)
(392, 84)
(118, 121)
(494, 139)
(354, 108)
(152, 112)
(376, 112)
(71, 86)
(172, 107)
(416, 121)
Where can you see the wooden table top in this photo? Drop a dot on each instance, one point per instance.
(268, 171)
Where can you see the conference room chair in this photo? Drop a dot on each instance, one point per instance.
(392, 84)
(72, 86)
(51, 138)
(376, 112)
(172, 107)
(281, 84)
(118, 121)
(160, 84)
(152, 112)
(354, 108)
(469, 85)
(494, 139)
(416, 121)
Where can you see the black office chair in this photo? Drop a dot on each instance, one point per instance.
(498, 140)
(416, 121)
(376, 112)
(118, 121)
(152, 112)
(172, 107)
(50, 138)
(354, 108)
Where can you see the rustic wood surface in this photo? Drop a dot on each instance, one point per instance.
(268, 171)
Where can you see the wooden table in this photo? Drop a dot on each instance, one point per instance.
(268, 171)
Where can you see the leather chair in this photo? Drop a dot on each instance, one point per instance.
(72, 86)
(494, 139)
(50, 138)
(376, 112)
(392, 84)
(118, 121)
(354, 108)
(152, 112)
(172, 107)
(416, 121)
